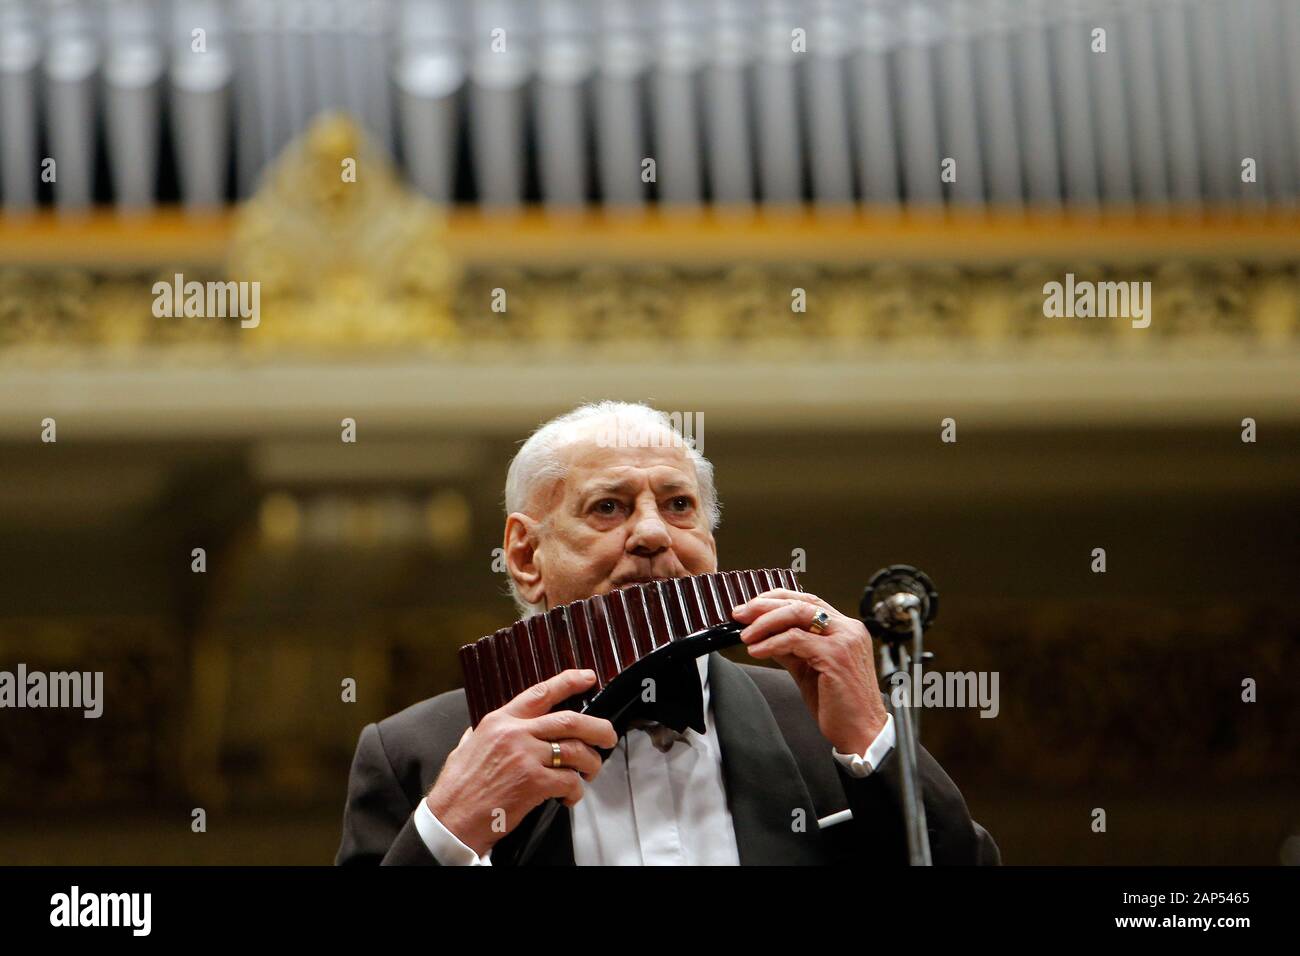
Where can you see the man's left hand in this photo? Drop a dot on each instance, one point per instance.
(834, 668)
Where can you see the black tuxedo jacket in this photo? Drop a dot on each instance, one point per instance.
(774, 762)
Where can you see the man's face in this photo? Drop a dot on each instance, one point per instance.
(620, 516)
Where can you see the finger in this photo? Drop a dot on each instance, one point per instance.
(757, 605)
(793, 643)
(787, 615)
(797, 596)
(772, 599)
(563, 724)
(565, 785)
(541, 698)
(574, 755)
(756, 608)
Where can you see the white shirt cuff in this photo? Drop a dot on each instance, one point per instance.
(442, 843)
(863, 765)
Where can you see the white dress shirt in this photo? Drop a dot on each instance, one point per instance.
(659, 800)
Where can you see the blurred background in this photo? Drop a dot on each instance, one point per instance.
(465, 218)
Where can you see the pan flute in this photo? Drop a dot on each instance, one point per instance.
(606, 633)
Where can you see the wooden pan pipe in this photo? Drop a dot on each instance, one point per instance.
(605, 633)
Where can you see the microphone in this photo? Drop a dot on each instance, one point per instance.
(891, 596)
(901, 601)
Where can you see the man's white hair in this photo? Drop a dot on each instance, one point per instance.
(540, 462)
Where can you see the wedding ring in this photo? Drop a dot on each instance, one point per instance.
(557, 759)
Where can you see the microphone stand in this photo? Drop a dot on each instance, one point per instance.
(895, 659)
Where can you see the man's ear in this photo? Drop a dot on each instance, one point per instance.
(521, 557)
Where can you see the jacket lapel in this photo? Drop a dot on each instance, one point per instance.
(764, 786)
(556, 848)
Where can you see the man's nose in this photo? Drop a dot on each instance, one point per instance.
(650, 535)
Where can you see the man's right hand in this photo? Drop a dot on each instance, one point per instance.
(502, 768)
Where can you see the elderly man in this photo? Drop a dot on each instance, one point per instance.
(783, 747)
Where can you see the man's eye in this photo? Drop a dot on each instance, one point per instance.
(681, 503)
(608, 506)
